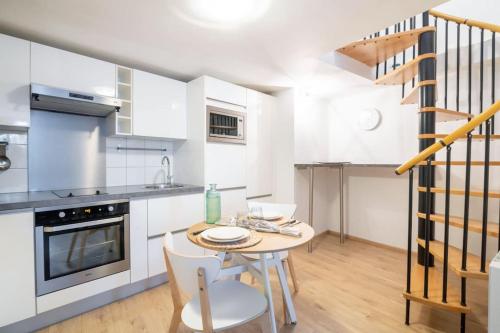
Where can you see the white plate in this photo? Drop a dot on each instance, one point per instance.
(269, 215)
(225, 234)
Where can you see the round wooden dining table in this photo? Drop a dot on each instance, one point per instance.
(268, 249)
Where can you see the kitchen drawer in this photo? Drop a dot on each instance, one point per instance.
(156, 262)
(174, 213)
(225, 92)
(69, 295)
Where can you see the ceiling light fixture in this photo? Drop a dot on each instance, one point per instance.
(222, 13)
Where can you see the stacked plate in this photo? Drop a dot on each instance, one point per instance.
(225, 234)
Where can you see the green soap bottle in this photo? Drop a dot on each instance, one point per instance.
(212, 201)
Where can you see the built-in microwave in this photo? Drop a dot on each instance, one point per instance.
(225, 125)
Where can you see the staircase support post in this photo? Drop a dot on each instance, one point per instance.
(427, 121)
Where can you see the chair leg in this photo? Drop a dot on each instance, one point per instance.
(175, 321)
(265, 322)
(291, 268)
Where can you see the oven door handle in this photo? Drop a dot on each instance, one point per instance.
(82, 225)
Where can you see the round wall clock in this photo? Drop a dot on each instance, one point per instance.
(369, 119)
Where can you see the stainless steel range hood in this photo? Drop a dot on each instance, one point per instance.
(61, 100)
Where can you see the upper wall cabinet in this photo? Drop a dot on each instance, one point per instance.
(225, 92)
(159, 105)
(259, 159)
(14, 82)
(62, 69)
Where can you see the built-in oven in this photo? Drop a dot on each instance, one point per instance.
(79, 243)
(225, 125)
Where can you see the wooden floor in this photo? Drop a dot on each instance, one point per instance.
(355, 287)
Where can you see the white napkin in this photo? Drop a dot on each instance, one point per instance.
(291, 231)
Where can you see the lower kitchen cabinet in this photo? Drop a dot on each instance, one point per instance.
(156, 262)
(138, 240)
(17, 277)
(174, 213)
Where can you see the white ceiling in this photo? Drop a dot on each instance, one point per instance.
(269, 53)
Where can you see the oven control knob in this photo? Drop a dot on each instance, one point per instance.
(111, 208)
(62, 214)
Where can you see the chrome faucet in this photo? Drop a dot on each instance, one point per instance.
(169, 174)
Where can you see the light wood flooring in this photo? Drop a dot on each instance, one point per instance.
(355, 287)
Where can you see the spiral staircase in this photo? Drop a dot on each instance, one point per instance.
(413, 53)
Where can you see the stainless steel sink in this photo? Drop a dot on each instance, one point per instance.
(162, 186)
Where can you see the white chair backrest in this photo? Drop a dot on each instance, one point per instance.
(186, 267)
(287, 210)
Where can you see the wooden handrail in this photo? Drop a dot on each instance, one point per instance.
(449, 139)
(469, 22)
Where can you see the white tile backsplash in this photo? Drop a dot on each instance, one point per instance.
(116, 176)
(135, 167)
(116, 158)
(18, 155)
(155, 175)
(135, 176)
(16, 178)
(123, 167)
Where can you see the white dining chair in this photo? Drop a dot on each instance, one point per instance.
(288, 211)
(214, 305)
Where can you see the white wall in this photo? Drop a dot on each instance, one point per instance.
(284, 146)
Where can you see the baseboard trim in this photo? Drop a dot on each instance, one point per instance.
(367, 241)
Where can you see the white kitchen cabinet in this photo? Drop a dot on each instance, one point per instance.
(72, 294)
(156, 261)
(174, 213)
(225, 165)
(259, 167)
(225, 92)
(14, 82)
(159, 105)
(233, 202)
(63, 69)
(138, 240)
(17, 259)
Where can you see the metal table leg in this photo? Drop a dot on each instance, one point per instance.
(341, 197)
(264, 269)
(311, 204)
(291, 314)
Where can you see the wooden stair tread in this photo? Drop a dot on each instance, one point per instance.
(436, 248)
(435, 291)
(412, 97)
(404, 73)
(461, 163)
(376, 50)
(447, 115)
(456, 191)
(474, 136)
(474, 225)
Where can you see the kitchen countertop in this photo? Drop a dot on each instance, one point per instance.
(21, 200)
(344, 164)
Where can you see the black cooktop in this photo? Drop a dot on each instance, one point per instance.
(78, 192)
